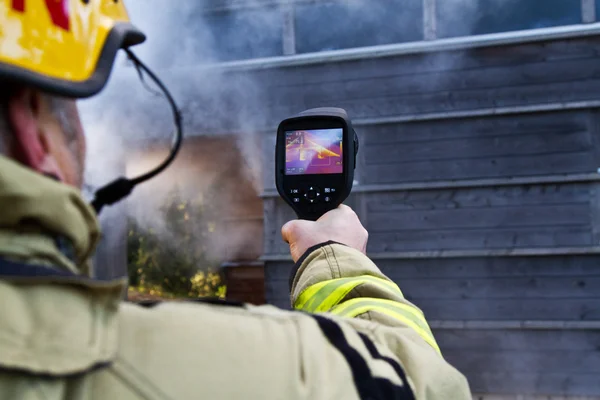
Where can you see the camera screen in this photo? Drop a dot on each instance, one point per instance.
(315, 151)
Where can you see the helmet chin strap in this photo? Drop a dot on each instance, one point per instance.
(122, 187)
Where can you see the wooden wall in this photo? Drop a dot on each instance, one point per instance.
(477, 180)
(478, 184)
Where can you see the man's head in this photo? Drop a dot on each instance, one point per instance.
(44, 133)
(44, 50)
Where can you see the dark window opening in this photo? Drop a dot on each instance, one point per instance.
(241, 34)
(346, 24)
(470, 17)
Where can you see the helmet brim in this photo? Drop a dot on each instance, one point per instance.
(122, 35)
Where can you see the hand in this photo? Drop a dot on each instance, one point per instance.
(340, 225)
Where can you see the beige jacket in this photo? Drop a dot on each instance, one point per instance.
(66, 335)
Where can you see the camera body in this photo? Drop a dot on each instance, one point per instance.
(315, 159)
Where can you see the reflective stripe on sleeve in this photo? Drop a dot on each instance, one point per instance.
(323, 296)
(404, 313)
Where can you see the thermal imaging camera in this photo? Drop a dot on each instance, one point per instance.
(314, 161)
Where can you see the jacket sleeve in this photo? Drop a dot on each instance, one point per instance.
(345, 285)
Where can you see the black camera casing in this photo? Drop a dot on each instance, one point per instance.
(312, 195)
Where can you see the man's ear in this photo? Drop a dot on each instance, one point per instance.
(31, 147)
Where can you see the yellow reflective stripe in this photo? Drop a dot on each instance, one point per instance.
(324, 295)
(406, 314)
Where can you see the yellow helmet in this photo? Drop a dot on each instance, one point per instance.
(65, 47)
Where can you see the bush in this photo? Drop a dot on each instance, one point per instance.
(171, 259)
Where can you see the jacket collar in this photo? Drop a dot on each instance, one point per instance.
(56, 319)
(44, 221)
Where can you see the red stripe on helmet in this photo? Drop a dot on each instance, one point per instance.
(59, 12)
(58, 9)
(18, 5)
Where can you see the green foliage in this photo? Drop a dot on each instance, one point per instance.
(171, 259)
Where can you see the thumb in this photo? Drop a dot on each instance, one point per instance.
(291, 230)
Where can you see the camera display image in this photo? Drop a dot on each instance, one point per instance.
(315, 151)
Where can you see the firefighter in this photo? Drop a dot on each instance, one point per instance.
(65, 334)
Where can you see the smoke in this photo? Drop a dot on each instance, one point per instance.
(128, 128)
(186, 38)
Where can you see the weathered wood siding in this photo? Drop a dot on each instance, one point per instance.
(509, 352)
(410, 85)
(476, 148)
(557, 288)
(478, 184)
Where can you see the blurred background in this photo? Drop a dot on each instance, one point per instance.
(478, 174)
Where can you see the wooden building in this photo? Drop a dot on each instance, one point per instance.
(478, 176)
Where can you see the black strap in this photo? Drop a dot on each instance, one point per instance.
(13, 270)
(367, 385)
(205, 300)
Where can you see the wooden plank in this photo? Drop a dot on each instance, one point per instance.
(270, 225)
(459, 268)
(268, 159)
(466, 184)
(467, 253)
(519, 109)
(531, 145)
(419, 82)
(525, 384)
(484, 289)
(536, 325)
(595, 212)
(588, 11)
(489, 41)
(546, 361)
(478, 218)
(573, 215)
(526, 195)
(594, 132)
(481, 340)
(495, 396)
(429, 19)
(439, 61)
(531, 287)
(491, 267)
(289, 30)
(516, 308)
(359, 169)
(480, 127)
(448, 101)
(361, 208)
(491, 238)
(482, 168)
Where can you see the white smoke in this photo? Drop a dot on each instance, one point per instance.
(183, 39)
